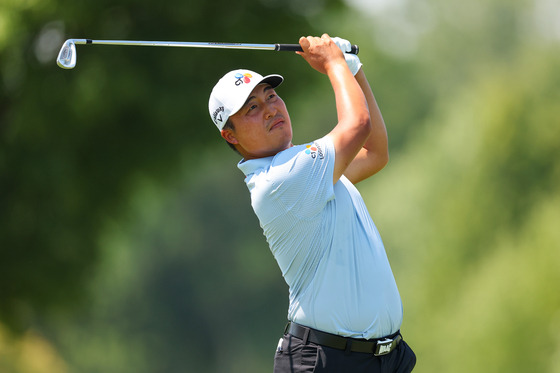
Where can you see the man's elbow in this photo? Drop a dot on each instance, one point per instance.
(364, 124)
(384, 159)
(378, 162)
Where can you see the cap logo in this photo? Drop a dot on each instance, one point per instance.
(217, 116)
(243, 78)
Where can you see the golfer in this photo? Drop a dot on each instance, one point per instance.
(345, 310)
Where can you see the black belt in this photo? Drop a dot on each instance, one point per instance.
(377, 347)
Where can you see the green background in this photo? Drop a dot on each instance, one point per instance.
(127, 241)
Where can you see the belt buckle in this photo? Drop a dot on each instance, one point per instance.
(383, 347)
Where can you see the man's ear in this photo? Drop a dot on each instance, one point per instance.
(229, 136)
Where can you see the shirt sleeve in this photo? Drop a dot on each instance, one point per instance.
(302, 177)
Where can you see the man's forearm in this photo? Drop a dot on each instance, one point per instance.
(351, 107)
(377, 141)
(374, 154)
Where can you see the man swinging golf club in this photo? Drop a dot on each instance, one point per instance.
(345, 310)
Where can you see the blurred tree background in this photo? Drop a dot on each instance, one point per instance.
(127, 242)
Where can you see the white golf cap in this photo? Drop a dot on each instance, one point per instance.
(231, 92)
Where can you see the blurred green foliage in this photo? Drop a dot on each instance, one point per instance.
(74, 143)
(127, 242)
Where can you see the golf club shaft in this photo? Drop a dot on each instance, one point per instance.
(67, 56)
(274, 47)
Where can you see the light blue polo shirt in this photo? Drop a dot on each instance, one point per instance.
(325, 242)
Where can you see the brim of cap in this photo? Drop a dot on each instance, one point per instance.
(274, 80)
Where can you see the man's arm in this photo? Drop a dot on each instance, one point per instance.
(354, 127)
(375, 153)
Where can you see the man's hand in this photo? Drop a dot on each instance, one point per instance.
(321, 53)
(352, 60)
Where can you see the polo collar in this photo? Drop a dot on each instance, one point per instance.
(250, 166)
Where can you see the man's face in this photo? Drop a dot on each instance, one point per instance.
(262, 127)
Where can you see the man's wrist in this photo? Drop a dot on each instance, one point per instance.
(337, 67)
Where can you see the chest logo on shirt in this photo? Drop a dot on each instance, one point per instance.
(314, 151)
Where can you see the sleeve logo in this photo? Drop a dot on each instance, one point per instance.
(314, 151)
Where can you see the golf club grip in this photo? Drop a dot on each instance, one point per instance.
(297, 48)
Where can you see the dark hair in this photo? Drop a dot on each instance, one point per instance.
(229, 126)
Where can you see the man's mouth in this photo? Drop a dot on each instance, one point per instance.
(276, 122)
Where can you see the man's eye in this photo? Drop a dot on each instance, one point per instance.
(252, 107)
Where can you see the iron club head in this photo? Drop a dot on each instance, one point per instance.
(67, 55)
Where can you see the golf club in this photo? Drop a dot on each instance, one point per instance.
(67, 55)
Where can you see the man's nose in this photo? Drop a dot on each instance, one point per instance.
(270, 112)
